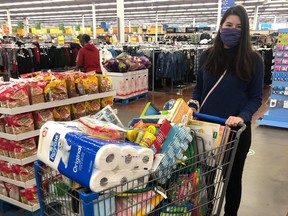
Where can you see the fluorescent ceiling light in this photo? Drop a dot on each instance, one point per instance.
(32, 2)
(276, 9)
(49, 8)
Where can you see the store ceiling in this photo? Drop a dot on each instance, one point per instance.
(181, 12)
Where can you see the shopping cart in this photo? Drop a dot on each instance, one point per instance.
(192, 187)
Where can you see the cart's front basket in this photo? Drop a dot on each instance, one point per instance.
(194, 186)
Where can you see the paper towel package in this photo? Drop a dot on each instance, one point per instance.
(94, 163)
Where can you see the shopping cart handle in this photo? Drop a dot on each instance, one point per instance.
(209, 118)
(215, 119)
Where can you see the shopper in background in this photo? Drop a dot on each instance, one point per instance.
(238, 95)
(88, 56)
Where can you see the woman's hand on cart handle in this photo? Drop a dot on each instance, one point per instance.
(234, 121)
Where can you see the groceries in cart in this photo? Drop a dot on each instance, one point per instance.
(161, 164)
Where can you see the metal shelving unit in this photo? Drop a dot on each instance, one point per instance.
(26, 184)
(19, 161)
(20, 204)
(47, 105)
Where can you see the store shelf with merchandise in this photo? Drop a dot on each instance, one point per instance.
(20, 204)
(21, 162)
(26, 184)
(35, 133)
(47, 105)
(277, 116)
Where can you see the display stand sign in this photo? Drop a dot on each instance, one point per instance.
(278, 106)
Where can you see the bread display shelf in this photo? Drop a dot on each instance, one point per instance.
(20, 204)
(47, 105)
(19, 137)
(18, 161)
(26, 184)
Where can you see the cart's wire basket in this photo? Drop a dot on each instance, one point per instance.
(194, 187)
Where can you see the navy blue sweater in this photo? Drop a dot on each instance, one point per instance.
(232, 96)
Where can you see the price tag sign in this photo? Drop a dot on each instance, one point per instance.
(283, 38)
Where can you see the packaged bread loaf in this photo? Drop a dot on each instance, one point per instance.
(105, 83)
(26, 172)
(2, 124)
(14, 95)
(24, 148)
(62, 113)
(36, 91)
(92, 106)
(56, 90)
(22, 123)
(107, 101)
(78, 110)
(87, 84)
(42, 116)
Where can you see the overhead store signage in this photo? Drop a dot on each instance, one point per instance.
(105, 25)
(20, 25)
(171, 30)
(77, 27)
(225, 5)
(265, 26)
(37, 25)
(191, 30)
(61, 27)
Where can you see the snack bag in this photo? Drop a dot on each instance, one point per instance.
(92, 106)
(105, 83)
(62, 113)
(70, 81)
(78, 110)
(69, 78)
(56, 90)
(87, 84)
(107, 101)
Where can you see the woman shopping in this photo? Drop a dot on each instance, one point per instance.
(229, 85)
(88, 56)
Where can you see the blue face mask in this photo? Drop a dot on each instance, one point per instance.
(230, 36)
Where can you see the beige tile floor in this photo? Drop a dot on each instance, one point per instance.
(265, 180)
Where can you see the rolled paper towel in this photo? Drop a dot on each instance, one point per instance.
(129, 157)
(145, 159)
(102, 180)
(141, 178)
(123, 180)
(108, 157)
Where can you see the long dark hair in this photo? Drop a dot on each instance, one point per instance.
(244, 60)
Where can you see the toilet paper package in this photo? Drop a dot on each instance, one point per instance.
(94, 163)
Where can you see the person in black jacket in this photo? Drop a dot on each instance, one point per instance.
(237, 96)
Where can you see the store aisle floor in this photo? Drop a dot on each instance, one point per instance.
(265, 180)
